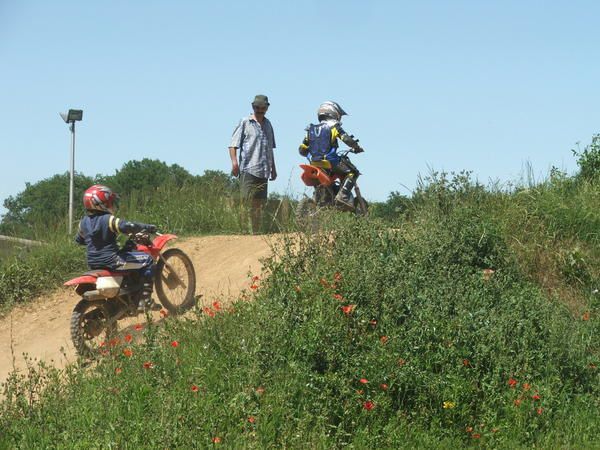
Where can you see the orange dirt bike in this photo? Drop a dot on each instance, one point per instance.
(107, 296)
(326, 186)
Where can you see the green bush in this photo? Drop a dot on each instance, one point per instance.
(589, 160)
(38, 270)
(360, 336)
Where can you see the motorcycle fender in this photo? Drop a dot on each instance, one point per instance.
(85, 279)
(160, 241)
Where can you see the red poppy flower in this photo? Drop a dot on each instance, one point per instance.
(383, 339)
(348, 309)
(373, 323)
(174, 344)
(148, 365)
(517, 402)
(255, 278)
(540, 411)
(251, 419)
(127, 352)
(164, 313)
(536, 397)
(526, 386)
(195, 388)
(383, 386)
(114, 342)
(217, 306)
(466, 363)
(476, 435)
(512, 382)
(208, 311)
(102, 344)
(254, 287)
(216, 440)
(364, 380)
(338, 297)
(118, 370)
(368, 405)
(138, 327)
(128, 338)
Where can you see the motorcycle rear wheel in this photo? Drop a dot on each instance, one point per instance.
(307, 215)
(91, 328)
(175, 281)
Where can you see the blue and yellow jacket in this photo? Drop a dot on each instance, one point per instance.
(321, 141)
(98, 232)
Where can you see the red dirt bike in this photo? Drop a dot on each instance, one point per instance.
(107, 297)
(326, 186)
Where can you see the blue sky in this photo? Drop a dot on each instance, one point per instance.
(487, 86)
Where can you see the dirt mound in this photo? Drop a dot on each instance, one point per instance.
(40, 329)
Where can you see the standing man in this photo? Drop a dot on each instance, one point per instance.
(255, 139)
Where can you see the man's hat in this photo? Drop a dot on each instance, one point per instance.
(261, 100)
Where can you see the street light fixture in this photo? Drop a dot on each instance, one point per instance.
(70, 117)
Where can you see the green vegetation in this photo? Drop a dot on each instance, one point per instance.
(29, 272)
(204, 203)
(472, 320)
(463, 315)
(151, 192)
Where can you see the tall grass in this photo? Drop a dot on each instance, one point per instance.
(424, 335)
(31, 271)
(191, 209)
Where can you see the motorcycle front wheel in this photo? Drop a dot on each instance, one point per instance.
(361, 207)
(92, 330)
(175, 281)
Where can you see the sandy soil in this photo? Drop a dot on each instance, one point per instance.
(40, 329)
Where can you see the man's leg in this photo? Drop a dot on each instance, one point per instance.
(254, 192)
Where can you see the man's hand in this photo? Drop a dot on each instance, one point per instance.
(273, 174)
(235, 168)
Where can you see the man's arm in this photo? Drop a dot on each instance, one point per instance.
(235, 166)
(236, 142)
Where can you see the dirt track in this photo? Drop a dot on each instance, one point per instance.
(41, 329)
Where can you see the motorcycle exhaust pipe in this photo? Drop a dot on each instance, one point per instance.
(97, 295)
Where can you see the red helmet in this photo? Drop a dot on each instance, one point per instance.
(100, 198)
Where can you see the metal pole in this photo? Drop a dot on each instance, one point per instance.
(71, 184)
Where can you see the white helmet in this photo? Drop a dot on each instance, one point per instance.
(330, 110)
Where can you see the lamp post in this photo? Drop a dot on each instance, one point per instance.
(70, 117)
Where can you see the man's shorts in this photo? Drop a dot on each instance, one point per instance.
(253, 187)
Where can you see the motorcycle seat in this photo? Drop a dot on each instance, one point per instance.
(103, 273)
